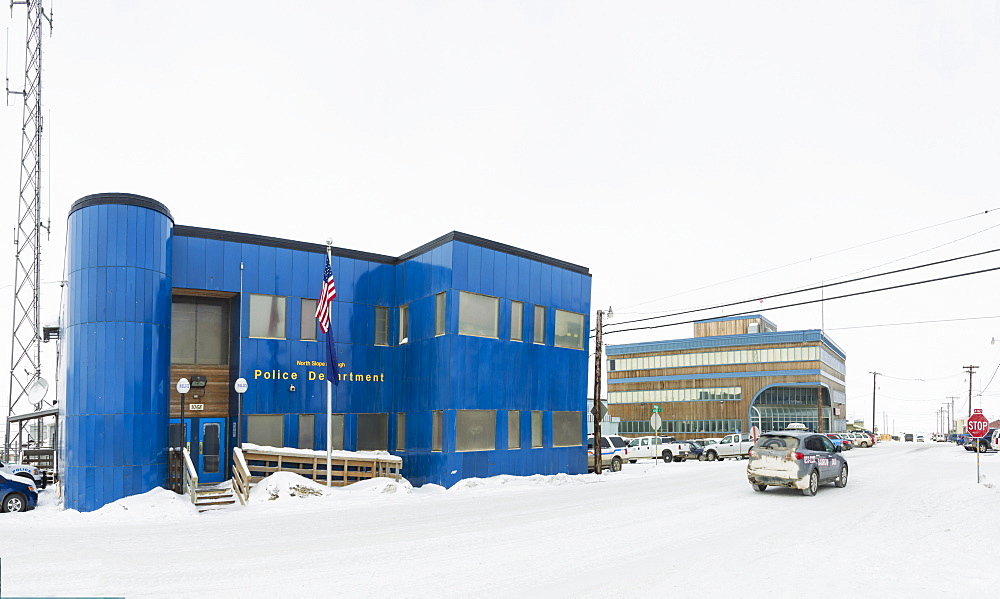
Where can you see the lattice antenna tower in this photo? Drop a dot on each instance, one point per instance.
(26, 351)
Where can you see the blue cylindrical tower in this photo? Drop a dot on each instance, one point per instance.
(117, 348)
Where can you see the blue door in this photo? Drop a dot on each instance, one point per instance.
(212, 455)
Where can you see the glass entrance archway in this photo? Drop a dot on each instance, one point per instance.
(776, 407)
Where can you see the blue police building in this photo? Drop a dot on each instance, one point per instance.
(466, 357)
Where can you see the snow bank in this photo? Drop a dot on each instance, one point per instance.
(158, 504)
(285, 485)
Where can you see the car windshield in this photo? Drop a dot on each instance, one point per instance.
(778, 442)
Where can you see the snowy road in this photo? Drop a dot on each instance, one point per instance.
(912, 521)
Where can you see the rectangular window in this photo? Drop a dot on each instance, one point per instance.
(381, 325)
(267, 316)
(307, 320)
(199, 332)
(337, 425)
(440, 303)
(307, 426)
(539, 324)
(475, 430)
(569, 329)
(266, 430)
(478, 315)
(513, 429)
(536, 429)
(404, 324)
(373, 432)
(567, 429)
(437, 430)
(400, 432)
(516, 321)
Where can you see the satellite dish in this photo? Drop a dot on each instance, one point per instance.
(38, 390)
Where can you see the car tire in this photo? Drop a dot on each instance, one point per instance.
(813, 484)
(667, 456)
(616, 464)
(711, 456)
(759, 488)
(841, 480)
(15, 502)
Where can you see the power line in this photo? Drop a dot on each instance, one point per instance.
(983, 213)
(824, 286)
(807, 302)
(898, 324)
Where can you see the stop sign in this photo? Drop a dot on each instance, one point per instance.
(978, 424)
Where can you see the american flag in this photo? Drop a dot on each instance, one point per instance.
(326, 295)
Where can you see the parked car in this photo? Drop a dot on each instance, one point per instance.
(796, 459)
(863, 439)
(16, 495)
(736, 445)
(614, 452)
(984, 443)
(838, 441)
(28, 471)
(938, 437)
(667, 448)
(908, 437)
(920, 438)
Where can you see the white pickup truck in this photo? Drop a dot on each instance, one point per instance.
(25, 471)
(736, 446)
(667, 448)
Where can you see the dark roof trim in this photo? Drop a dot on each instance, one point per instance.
(126, 199)
(287, 244)
(318, 248)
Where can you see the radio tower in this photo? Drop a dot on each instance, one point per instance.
(26, 351)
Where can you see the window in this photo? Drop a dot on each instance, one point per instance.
(439, 313)
(307, 320)
(475, 430)
(539, 324)
(267, 316)
(307, 426)
(400, 432)
(404, 324)
(381, 325)
(536, 429)
(199, 332)
(373, 432)
(513, 429)
(567, 429)
(337, 425)
(437, 430)
(478, 315)
(569, 329)
(516, 321)
(265, 430)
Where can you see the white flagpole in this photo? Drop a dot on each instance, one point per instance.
(329, 402)
(329, 429)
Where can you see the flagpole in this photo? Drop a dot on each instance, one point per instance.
(329, 404)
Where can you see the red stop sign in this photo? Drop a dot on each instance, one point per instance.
(978, 425)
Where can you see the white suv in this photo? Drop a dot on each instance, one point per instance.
(614, 450)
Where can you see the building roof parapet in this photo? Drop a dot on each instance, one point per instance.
(722, 341)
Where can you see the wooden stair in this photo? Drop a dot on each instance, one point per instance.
(214, 496)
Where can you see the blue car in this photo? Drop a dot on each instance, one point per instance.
(16, 496)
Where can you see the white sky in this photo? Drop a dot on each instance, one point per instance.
(675, 149)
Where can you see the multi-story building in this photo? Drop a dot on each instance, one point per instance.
(735, 373)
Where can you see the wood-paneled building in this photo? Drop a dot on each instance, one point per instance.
(735, 373)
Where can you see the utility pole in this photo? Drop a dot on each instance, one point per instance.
(596, 411)
(874, 376)
(951, 419)
(970, 370)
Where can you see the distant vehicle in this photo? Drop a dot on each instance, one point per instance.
(736, 445)
(614, 451)
(908, 437)
(655, 447)
(894, 437)
(795, 459)
(838, 441)
(920, 438)
(16, 495)
(938, 437)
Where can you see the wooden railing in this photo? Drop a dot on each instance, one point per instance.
(347, 466)
(190, 477)
(241, 476)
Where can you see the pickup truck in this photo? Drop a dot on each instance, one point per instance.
(736, 446)
(667, 448)
(36, 476)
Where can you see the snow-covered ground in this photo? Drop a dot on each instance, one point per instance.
(911, 522)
